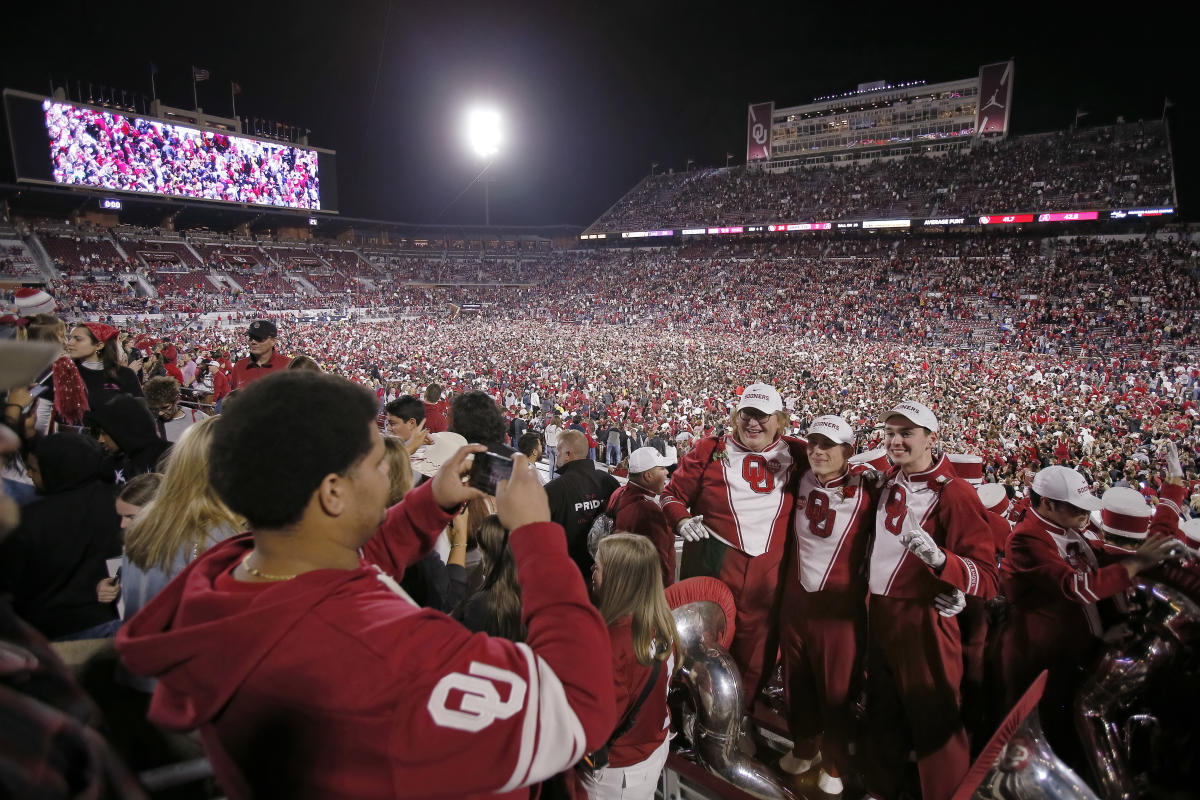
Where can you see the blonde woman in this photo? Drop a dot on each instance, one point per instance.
(184, 519)
(627, 584)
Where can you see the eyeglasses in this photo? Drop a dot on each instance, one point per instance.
(257, 338)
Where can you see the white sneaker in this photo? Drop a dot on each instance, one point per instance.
(829, 784)
(797, 766)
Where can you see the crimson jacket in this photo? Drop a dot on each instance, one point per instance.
(246, 370)
(335, 685)
(220, 386)
(637, 511)
(1053, 578)
(949, 510)
(653, 719)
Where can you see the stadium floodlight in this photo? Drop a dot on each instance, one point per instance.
(483, 131)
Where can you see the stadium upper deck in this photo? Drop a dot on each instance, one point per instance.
(1099, 173)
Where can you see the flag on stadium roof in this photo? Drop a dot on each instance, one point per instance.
(199, 74)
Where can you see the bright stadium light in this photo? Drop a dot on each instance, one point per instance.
(483, 131)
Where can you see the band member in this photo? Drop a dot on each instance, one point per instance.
(824, 609)
(932, 548)
(731, 500)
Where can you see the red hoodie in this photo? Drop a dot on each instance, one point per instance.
(335, 685)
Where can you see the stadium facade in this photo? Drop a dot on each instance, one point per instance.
(879, 120)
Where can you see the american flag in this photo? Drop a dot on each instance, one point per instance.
(199, 74)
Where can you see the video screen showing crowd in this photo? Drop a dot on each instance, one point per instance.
(301, 568)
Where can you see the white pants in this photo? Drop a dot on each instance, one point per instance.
(635, 782)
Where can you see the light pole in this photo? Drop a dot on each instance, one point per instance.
(483, 133)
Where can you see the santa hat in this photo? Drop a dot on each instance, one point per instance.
(967, 466)
(1123, 514)
(32, 301)
(994, 498)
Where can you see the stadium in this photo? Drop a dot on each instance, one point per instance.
(891, 264)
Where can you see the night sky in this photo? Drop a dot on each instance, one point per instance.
(591, 93)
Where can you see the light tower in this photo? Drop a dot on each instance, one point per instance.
(484, 135)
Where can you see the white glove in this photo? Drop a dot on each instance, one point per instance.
(921, 544)
(950, 603)
(693, 529)
(1174, 468)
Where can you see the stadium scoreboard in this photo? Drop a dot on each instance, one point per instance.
(80, 146)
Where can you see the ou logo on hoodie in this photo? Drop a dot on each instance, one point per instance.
(479, 704)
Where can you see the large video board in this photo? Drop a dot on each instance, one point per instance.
(114, 151)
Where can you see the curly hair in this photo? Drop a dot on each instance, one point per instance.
(477, 418)
(267, 473)
(161, 391)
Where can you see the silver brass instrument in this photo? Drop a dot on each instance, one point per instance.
(1165, 621)
(1027, 769)
(714, 688)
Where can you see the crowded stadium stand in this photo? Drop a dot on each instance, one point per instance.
(1107, 167)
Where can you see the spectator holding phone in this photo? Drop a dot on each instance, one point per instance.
(302, 602)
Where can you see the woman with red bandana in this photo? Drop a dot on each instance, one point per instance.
(93, 348)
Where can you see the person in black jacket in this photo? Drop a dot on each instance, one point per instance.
(578, 495)
(53, 561)
(128, 431)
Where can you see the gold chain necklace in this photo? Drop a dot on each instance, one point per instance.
(263, 575)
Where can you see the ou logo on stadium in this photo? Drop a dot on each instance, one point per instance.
(479, 703)
(759, 133)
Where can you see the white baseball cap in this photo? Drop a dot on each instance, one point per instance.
(834, 428)
(645, 458)
(1067, 486)
(762, 397)
(914, 412)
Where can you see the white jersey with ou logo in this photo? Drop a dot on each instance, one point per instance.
(756, 485)
(827, 519)
(900, 495)
(948, 510)
(745, 497)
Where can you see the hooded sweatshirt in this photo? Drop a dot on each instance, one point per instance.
(127, 420)
(335, 685)
(53, 561)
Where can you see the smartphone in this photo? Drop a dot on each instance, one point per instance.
(488, 470)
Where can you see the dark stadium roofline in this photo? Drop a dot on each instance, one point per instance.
(473, 230)
(32, 199)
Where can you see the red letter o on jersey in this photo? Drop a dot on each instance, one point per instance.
(895, 509)
(756, 474)
(819, 515)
